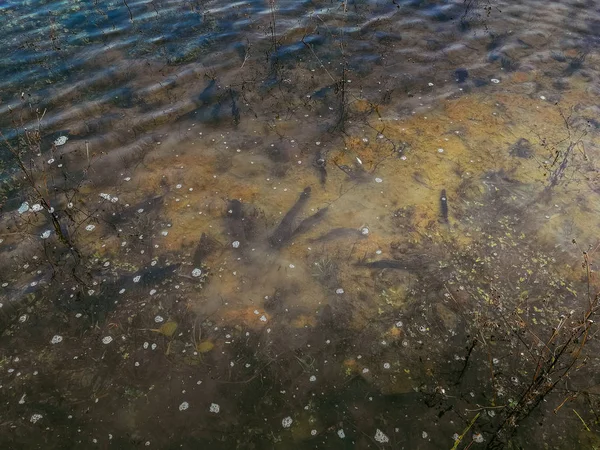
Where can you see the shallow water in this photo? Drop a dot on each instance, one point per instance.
(298, 224)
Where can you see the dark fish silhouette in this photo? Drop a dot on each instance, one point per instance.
(444, 206)
(320, 163)
(339, 233)
(205, 247)
(235, 220)
(309, 222)
(386, 264)
(285, 230)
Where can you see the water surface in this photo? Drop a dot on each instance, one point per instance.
(298, 224)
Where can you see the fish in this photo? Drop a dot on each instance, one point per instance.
(320, 163)
(234, 220)
(444, 206)
(339, 233)
(309, 222)
(285, 229)
(386, 264)
(206, 246)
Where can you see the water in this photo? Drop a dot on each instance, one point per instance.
(299, 224)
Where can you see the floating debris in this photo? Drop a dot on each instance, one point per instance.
(341, 433)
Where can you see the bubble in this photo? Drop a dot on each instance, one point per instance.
(339, 291)
(90, 227)
(61, 141)
(364, 231)
(235, 244)
(341, 433)
(184, 406)
(46, 234)
(35, 417)
(196, 272)
(378, 180)
(137, 278)
(159, 319)
(37, 207)
(287, 422)
(214, 408)
(380, 436)
(312, 378)
(56, 339)
(424, 435)
(495, 80)
(23, 208)
(478, 437)
(107, 340)
(386, 365)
